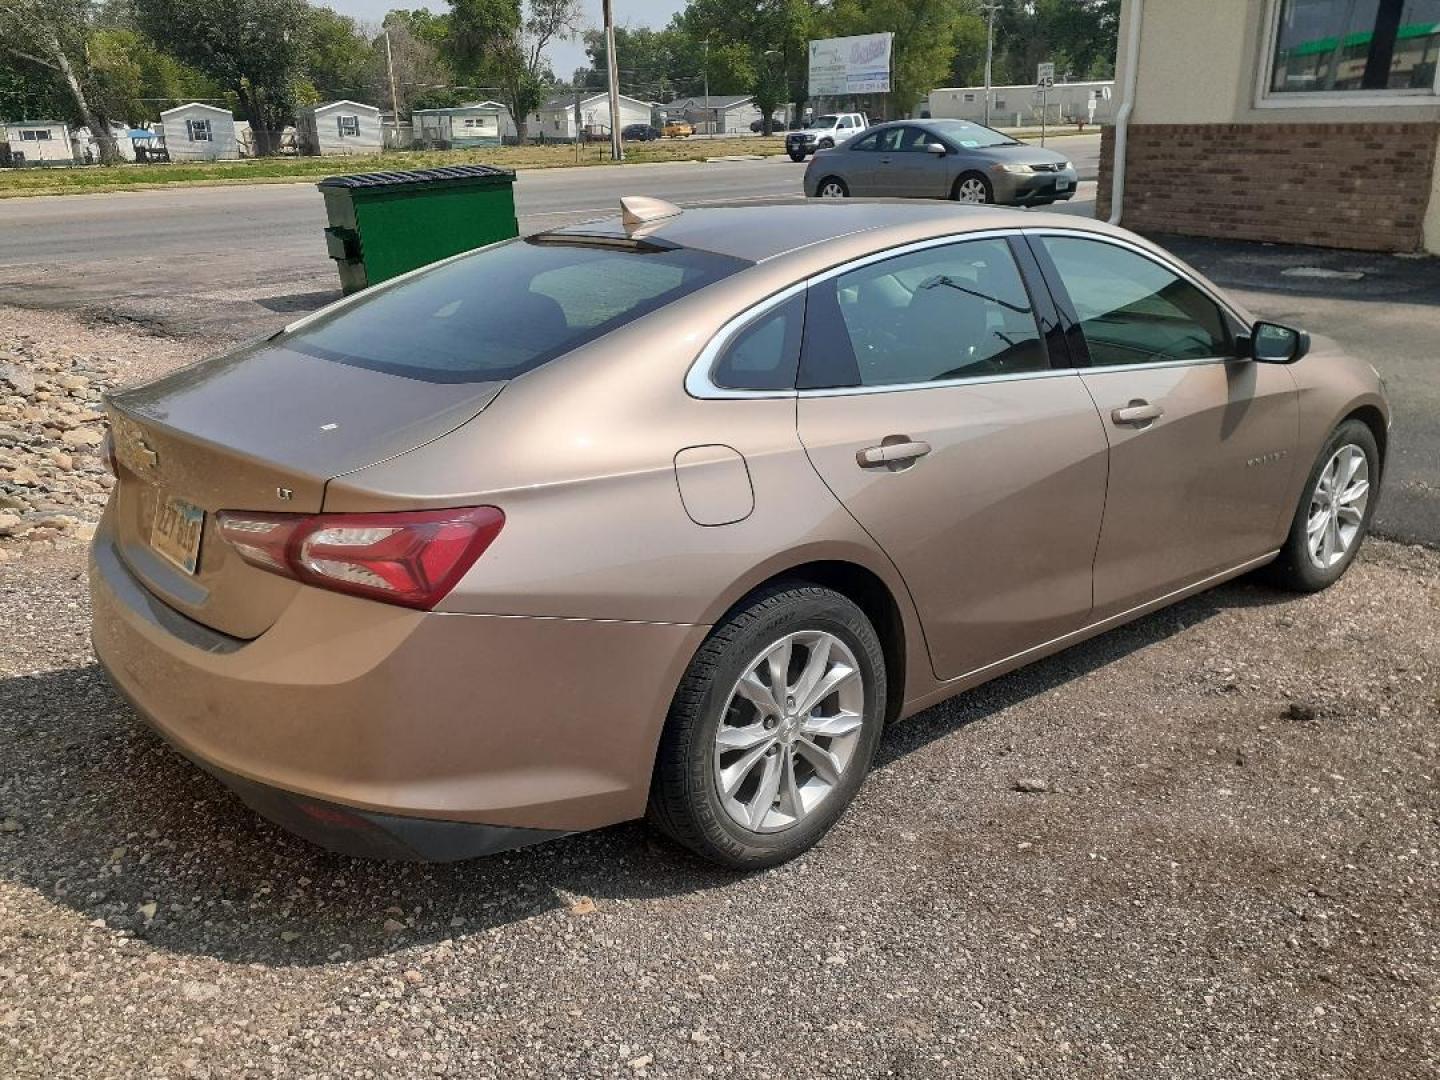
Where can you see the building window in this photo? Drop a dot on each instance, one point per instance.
(1355, 45)
(349, 126)
(198, 130)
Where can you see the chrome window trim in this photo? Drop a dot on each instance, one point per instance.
(938, 384)
(1153, 365)
(698, 381)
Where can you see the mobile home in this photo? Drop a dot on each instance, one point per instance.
(199, 132)
(340, 127)
(39, 142)
(480, 123)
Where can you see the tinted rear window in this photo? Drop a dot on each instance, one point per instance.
(505, 311)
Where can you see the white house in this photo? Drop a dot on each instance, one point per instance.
(480, 123)
(199, 132)
(1019, 106)
(340, 127)
(37, 142)
(556, 118)
(729, 113)
(87, 148)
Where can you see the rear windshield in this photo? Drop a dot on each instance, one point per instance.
(505, 311)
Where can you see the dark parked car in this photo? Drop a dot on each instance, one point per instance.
(639, 133)
(941, 159)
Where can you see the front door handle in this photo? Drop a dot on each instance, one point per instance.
(894, 455)
(1137, 412)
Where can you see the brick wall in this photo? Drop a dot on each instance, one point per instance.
(1361, 186)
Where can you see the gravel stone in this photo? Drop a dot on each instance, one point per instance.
(1224, 890)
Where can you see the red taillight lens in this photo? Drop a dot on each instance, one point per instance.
(412, 558)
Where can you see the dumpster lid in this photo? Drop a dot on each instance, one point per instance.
(418, 176)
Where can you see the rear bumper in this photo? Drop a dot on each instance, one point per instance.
(529, 726)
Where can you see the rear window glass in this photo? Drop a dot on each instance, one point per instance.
(507, 310)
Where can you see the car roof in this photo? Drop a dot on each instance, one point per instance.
(757, 233)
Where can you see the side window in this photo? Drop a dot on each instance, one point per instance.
(890, 139)
(1133, 310)
(914, 140)
(763, 355)
(866, 142)
(954, 312)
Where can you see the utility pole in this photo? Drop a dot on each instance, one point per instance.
(707, 81)
(394, 97)
(617, 149)
(990, 10)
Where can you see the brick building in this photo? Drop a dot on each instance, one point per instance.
(1296, 121)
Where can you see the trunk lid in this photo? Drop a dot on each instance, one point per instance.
(263, 428)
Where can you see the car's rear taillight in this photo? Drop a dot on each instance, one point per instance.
(411, 557)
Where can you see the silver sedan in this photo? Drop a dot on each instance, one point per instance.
(941, 159)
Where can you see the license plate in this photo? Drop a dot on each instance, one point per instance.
(1062, 185)
(176, 532)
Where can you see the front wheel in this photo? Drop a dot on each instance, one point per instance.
(972, 188)
(1334, 512)
(832, 187)
(773, 728)
(826, 144)
(796, 156)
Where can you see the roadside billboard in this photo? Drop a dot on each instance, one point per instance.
(850, 65)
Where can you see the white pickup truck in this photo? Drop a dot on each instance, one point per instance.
(822, 133)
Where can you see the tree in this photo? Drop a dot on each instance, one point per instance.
(136, 80)
(757, 48)
(926, 32)
(505, 40)
(421, 74)
(338, 57)
(53, 34)
(253, 48)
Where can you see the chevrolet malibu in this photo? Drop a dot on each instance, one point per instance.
(668, 515)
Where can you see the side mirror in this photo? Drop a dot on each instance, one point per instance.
(938, 149)
(1271, 343)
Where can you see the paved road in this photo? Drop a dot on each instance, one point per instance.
(236, 261)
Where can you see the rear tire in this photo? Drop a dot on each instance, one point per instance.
(832, 187)
(972, 187)
(1334, 514)
(732, 781)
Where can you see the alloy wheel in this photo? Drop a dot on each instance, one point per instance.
(789, 731)
(1337, 506)
(971, 190)
(832, 189)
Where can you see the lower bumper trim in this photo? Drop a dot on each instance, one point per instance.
(369, 835)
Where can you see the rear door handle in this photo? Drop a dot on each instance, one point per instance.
(1138, 411)
(892, 455)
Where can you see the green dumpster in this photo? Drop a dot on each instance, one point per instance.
(386, 223)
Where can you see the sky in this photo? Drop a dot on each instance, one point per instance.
(565, 56)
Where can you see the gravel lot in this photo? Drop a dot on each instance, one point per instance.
(1207, 844)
